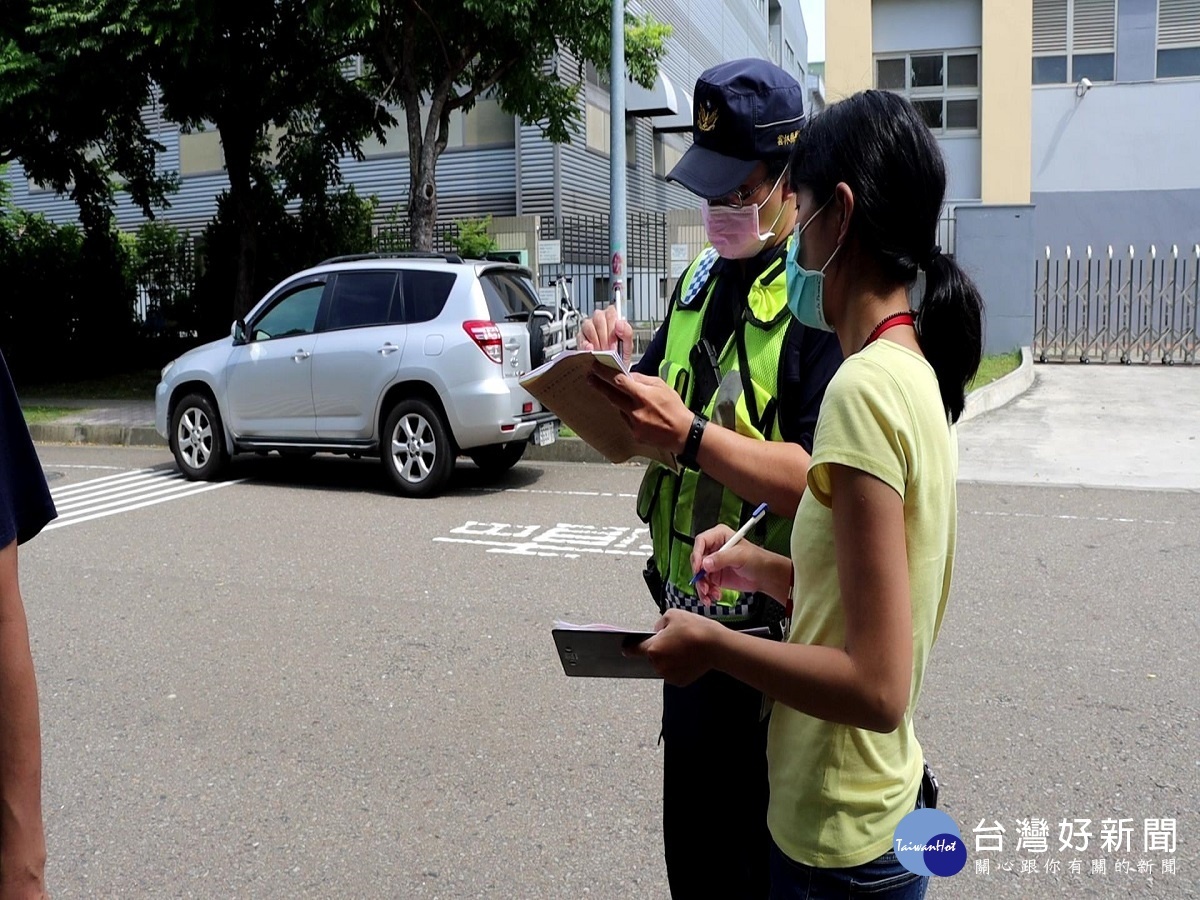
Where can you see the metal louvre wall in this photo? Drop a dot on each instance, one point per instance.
(1118, 308)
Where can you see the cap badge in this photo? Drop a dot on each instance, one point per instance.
(706, 119)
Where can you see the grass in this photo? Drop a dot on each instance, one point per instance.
(993, 367)
(130, 386)
(35, 415)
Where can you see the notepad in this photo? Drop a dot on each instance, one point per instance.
(562, 387)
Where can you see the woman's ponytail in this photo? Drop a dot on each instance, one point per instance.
(950, 329)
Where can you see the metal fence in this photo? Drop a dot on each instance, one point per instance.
(584, 258)
(1111, 307)
(164, 288)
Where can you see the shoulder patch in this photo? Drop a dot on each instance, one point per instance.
(700, 272)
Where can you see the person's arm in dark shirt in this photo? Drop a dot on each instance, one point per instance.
(25, 507)
(656, 351)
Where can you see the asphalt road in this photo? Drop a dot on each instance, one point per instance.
(298, 685)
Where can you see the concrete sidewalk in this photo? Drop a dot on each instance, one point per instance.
(131, 422)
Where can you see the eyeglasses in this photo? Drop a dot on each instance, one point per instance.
(738, 198)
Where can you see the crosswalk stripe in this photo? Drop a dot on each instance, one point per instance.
(124, 489)
(199, 488)
(178, 487)
(84, 487)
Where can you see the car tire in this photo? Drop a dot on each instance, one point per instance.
(416, 449)
(496, 459)
(197, 438)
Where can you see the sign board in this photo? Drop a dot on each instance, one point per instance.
(678, 267)
(547, 295)
(680, 252)
(549, 253)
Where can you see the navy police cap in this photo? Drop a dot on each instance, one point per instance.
(746, 111)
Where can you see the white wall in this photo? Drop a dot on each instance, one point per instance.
(1117, 137)
(899, 26)
(963, 169)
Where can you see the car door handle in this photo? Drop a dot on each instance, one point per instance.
(301, 355)
(387, 348)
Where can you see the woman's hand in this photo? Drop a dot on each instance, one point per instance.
(683, 647)
(742, 567)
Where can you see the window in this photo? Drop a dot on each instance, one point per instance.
(943, 87)
(510, 297)
(668, 150)
(485, 125)
(295, 314)
(597, 125)
(200, 152)
(1178, 38)
(1074, 39)
(425, 294)
(361, 298)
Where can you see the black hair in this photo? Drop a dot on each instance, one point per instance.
(877, 143)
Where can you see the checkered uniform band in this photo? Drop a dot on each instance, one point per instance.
(679, 599)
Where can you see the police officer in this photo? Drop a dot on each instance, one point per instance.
(731, 384)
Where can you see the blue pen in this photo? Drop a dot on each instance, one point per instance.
(737, 536)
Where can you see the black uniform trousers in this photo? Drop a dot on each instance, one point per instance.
(715, 790)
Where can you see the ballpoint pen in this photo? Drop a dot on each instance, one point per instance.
(754, 519)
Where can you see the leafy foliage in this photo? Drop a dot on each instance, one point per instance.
(473, 240)
(433, 59)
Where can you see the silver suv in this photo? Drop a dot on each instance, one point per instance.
(412, 358)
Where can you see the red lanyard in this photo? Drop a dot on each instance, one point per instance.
(898, 318)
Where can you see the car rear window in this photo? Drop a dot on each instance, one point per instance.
(425, 294)
(510, 296)
(361, 298)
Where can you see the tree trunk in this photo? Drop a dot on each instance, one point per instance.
(422, 203)
(237, 163)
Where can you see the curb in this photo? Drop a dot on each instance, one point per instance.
(1002, 390)
(111, 435)
(570, 449)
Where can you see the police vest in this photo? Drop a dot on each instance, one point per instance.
(677, 507)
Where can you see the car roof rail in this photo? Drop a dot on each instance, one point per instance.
(396, 254)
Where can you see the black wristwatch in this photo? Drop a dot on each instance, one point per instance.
(692, 446)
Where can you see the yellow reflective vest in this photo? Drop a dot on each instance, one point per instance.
(677, 507)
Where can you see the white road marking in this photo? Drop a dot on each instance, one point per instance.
(556, 493)
(1068, 518)
(127, 491)
(563, 539)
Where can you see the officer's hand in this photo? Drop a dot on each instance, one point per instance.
(603, 330)
(656, 414)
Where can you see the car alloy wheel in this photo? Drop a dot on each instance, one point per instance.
(414, 448)
(195, 438)
(418, 451)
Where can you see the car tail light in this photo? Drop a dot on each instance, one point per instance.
(487, 337)
(526, 408)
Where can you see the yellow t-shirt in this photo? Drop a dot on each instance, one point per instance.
(838, 792)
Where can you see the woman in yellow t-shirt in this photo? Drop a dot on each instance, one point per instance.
(873, 540)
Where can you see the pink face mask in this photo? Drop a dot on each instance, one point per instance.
(733, 232)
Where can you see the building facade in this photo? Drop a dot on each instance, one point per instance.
(496, 165)
(1062, 122)
(1086, 109)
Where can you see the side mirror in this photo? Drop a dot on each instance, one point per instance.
(239, 332)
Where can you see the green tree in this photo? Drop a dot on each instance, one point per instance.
(73, 79)
(474, 239)
(270, 76)
(435, 58)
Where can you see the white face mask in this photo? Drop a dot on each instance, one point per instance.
(733, 231)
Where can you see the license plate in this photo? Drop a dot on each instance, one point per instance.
(547, 433)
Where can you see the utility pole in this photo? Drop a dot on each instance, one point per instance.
(616, 157)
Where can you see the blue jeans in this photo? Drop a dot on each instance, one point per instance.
(882, 879)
